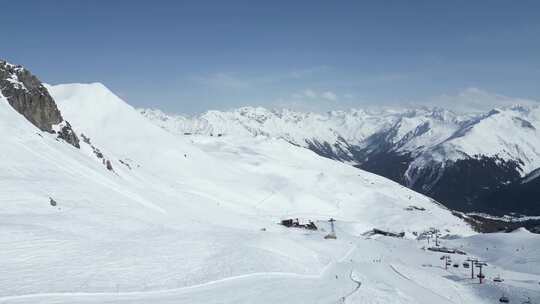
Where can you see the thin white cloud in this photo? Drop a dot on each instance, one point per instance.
(227, 80)
(469, 100)
(310, 94)
(271, 88)
(312, 100)
(222, 81)
(315, 95)
(329, 95)
(477, 100)
(306, 72)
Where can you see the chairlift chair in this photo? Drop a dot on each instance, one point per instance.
(504, 299)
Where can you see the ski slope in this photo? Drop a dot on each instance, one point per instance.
(194, 220)
(374, 270)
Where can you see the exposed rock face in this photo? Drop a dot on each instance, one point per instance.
(66, 133)
(27, 95)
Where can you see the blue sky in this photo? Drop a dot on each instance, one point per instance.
(191, 56)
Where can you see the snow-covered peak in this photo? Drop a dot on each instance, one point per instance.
(509, 132)
(294, 126)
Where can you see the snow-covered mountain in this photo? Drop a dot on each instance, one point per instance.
(136, 214)
(456, 158)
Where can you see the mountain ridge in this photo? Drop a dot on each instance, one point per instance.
(424, 149)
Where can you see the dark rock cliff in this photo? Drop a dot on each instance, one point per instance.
(27, 95)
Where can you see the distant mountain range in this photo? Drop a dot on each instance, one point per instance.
(481, 162)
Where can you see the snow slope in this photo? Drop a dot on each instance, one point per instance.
(299, 180)
(199, 205)
(516, 251)
(180, 220)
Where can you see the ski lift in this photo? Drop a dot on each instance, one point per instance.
(498, 279)
(332, 234)
(456, 265)
(504, 299)
(481, 276)
(465, 265)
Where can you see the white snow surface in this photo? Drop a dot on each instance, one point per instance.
(180, 219)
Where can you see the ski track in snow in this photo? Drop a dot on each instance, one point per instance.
(143, 293)
(419, 285)
(356, 288)
(273, 275)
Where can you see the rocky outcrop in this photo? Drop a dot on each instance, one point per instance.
(66, 133)
(107, 163)
(27, 95)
